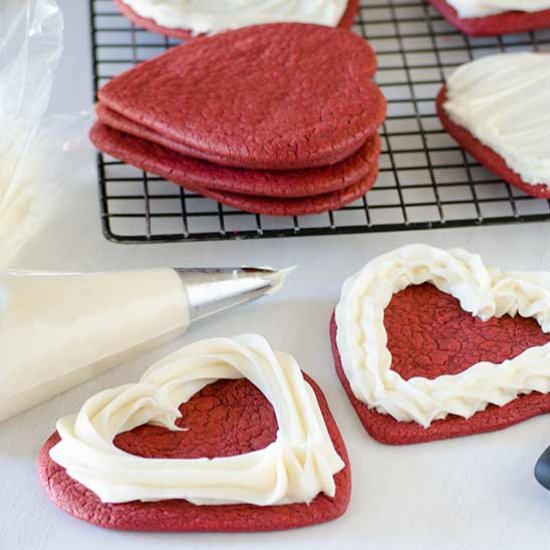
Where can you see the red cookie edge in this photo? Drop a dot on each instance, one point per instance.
(181, 516)
(485, 155)
(318, 148)
(124, 146)
(251, 163)
(305, 206)
(298, 183)
(493, 25)
(185, 35)
(385, 429)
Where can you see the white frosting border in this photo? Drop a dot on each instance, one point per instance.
(296, 467)
(484, 292)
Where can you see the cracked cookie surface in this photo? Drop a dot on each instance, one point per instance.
(226, 418)
(279, 96)
(429, 335)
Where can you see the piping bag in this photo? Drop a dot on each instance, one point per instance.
(58, 330)
(33, 162)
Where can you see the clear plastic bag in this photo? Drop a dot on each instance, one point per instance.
(34, 152)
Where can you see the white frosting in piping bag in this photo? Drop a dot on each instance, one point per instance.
(59, 330)
(504, 101)
(482, 8)
(296, 467)
(484, 292)
(210, 16)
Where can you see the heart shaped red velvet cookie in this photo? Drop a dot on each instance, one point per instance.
(233, 435)
(485, 155)
(285, 193)
(420, 364)
(270, 97)
(481, 108)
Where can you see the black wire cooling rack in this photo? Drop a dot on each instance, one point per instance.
(426, 180)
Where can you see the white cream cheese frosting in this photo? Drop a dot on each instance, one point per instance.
(296, 467)
(59, 330)
(211, 16)
(482, 8)
(483, 292)
(503, 100)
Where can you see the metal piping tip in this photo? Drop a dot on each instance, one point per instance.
(212, 290)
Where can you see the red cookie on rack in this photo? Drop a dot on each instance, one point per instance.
(485, 155)
(305, 98)
(288, 193)
(431, 340)
(476, 107)
(126, 140)
(185, 35)
(509, 22)
(291, 138)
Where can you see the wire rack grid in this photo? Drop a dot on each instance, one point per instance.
(425, 181)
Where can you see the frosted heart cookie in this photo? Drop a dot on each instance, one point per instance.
(431, 344)
(185, 20)
(495, 17)
(268, 97)
(484, 107)
(222, 435)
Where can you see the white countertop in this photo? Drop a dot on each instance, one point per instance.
(475, 492)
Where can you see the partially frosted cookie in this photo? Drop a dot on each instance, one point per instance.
(432, 344)
(495, 17)
(186, 20)
(222, 435)
(498, 109)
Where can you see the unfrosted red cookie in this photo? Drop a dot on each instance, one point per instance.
(268, 97)
(493, 25)
(270, 183)
(169, 165)
(119, 122)
(429, 335)
(183, 34)
(224, 419)
(296, 207)
(485, 155)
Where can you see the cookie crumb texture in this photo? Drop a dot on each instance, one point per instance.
(226, 418)
(430, 335)
(269, 97)
(485, 155)
(185, 35)
(494, 25)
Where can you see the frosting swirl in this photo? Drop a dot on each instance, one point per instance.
(488, 98)
(296, 467)
(484, 292)
(211, 16)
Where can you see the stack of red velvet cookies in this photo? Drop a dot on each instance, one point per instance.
(279, 119)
